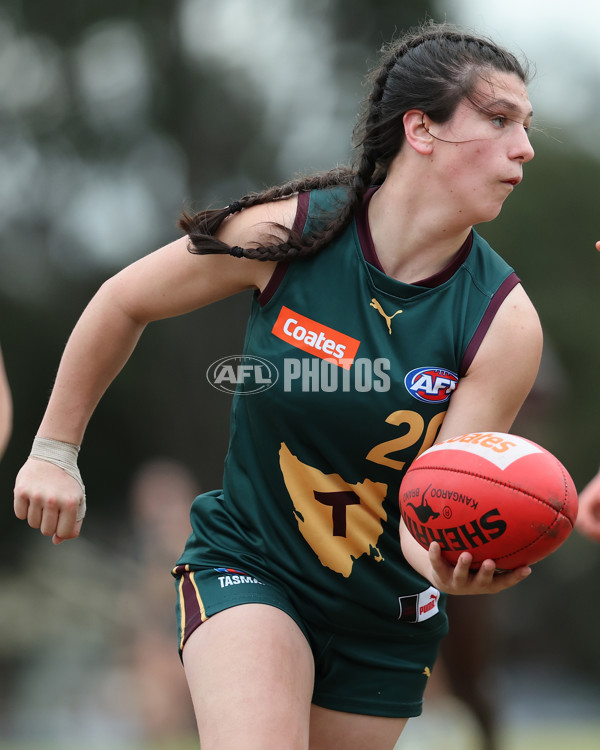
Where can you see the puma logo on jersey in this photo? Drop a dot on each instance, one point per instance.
(388, 318)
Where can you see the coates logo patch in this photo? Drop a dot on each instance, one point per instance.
(315, 338)
(431, 384)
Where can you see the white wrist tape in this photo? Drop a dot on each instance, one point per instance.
(63, 455)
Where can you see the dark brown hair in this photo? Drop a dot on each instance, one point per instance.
(431, 68)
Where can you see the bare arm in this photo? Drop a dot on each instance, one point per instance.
(488, 398)
(166, 283)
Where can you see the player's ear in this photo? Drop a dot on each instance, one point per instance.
(416, 131)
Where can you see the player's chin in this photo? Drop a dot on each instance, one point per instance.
(490, 212)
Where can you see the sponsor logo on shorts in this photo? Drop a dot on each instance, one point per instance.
(419, 607)
(431, 384)
(232, 577)
(315, 338)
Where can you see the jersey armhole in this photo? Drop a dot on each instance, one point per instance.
(509, 283)
(283, 265)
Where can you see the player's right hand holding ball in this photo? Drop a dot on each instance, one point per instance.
(462, 579)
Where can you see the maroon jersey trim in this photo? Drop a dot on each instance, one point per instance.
(509, 283)
(370, 254)
(281, 268)
(364, 232)
(367, 246)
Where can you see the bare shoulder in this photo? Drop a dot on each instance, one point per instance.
(260, 224)
(515, 333)
(518, 303)
(511, 350)
(502, 373)
(263, 224)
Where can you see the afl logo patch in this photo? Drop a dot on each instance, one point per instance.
(242, 374)
(434, 385)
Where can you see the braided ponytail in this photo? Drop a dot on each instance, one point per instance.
(432, 69)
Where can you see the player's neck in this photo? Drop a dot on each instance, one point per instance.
(413, 238)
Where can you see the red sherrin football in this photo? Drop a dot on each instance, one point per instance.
(496, 495)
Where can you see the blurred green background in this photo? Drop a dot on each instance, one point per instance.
(113, 116)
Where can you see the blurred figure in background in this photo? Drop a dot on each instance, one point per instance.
(161, 495)
(469, 653)
(89, 635)
(588, 520)
(6, 408)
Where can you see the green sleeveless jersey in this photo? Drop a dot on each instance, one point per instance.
(347, 376)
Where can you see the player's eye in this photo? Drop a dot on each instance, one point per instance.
(499, 121)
